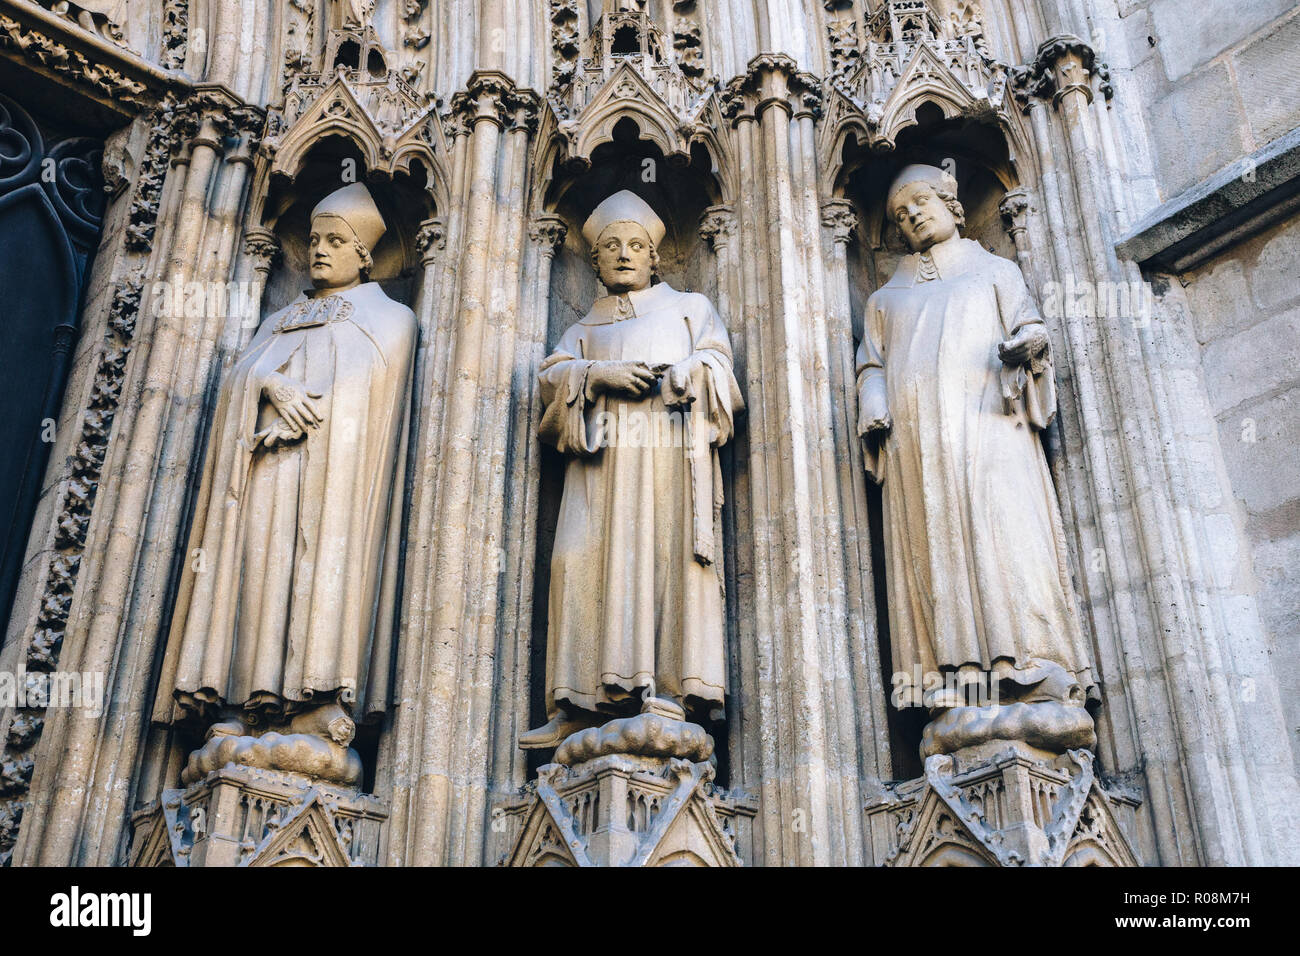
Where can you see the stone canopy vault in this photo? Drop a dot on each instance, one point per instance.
(452, 650)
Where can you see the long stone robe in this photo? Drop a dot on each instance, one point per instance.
(975, 558)
(636, 584)
(290, 598)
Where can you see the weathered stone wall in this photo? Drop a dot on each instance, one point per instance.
(1218, 82)
(1245, 307)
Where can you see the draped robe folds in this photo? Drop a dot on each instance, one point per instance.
(289, 589)
(636, 584)
(975, 560)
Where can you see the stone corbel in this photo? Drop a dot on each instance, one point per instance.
(1063, 65)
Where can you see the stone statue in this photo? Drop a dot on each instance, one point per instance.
(638, 395)
(955, 381)
(283, 631)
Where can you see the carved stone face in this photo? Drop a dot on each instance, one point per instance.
(624, 257)
(333, 255)
(923, 217)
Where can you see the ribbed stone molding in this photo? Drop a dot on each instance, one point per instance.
(1141, 478)
(180, 229)
(458, 697)
(809, 727)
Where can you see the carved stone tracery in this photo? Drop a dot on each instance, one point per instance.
(357, 91)
(911, 56)
(628, 65)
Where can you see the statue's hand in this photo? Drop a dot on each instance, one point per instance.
(678, 385)
(627, 378)
(279, 432)
(1026, 344)
(293, 402)
(874, 417)
(881, 423)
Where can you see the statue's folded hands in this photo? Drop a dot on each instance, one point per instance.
(293, 401)
(619, 378)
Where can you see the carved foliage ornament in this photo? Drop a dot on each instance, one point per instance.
(1063, 65)
(383, 113)
(103, 18)
(55, 56)
(175, 38)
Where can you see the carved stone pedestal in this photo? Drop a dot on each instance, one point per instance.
(634, 792)
(246, 816)
(1003, 804)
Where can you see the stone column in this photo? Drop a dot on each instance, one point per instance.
(807, 747)
(519, 541)
(445, 725)
(1182, 646)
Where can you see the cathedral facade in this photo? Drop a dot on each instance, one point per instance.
(335, 536)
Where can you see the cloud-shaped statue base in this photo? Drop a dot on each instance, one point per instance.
(1049, 725)
(307, 754)
(659, 731)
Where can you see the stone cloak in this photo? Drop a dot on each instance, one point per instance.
(636, 584)
(975, 557)
(290, 596)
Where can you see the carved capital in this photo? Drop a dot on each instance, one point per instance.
(731, 100)
(430, 240)
(1014, 207)
(492, 96)
(1064, 64)
(717, 226)
(522, 107)
(772, 79)
(839, 217)
(263, 245)
(213, 115)
(549, 232)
